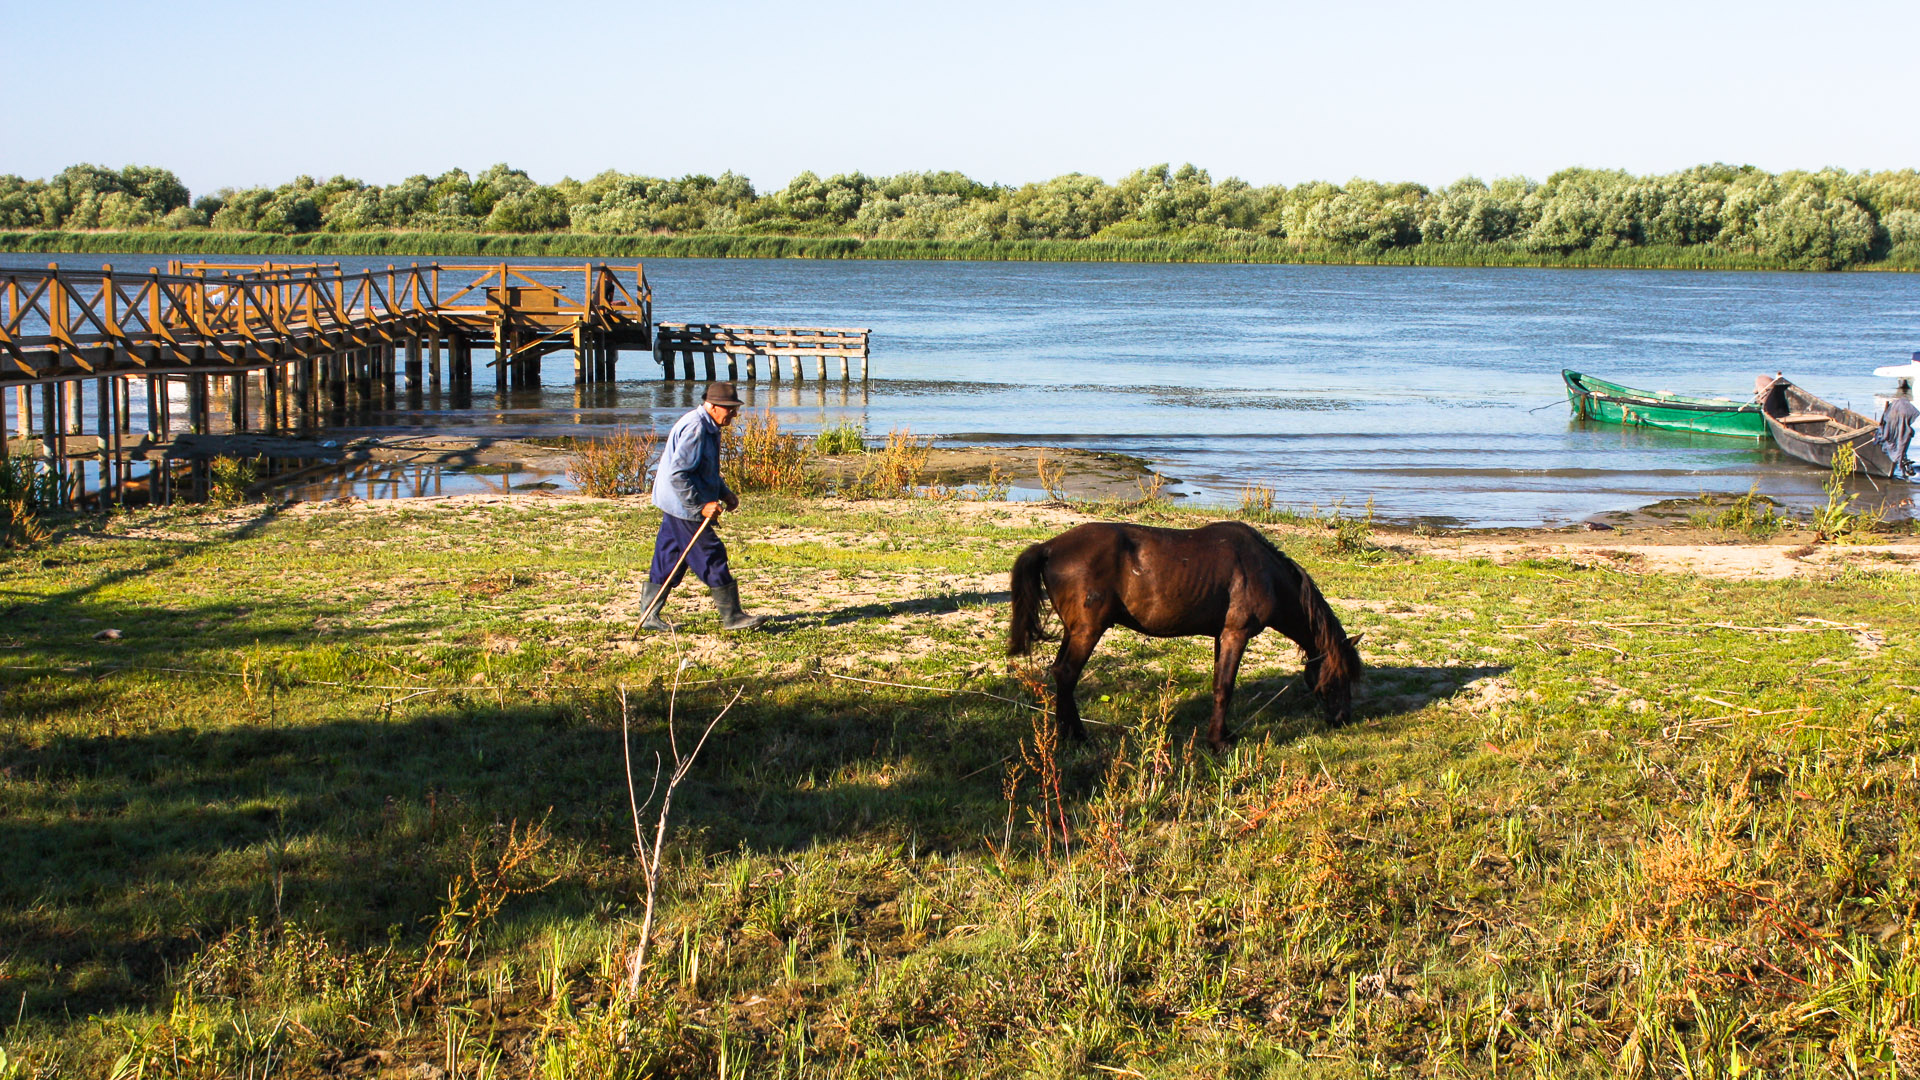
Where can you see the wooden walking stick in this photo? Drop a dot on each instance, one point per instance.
(660, 599)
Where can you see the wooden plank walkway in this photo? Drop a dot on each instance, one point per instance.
(795, 343)
(299, 340)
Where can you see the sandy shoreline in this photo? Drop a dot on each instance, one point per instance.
(1647, 546)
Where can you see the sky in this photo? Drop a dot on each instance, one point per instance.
(255, 93)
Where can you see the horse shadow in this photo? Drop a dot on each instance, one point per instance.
(1280, 706)
(923, 605)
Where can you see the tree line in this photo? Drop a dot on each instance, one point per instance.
(1829, 219)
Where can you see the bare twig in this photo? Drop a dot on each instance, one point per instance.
(650, 853)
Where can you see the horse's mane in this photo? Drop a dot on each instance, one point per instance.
(1339, 659)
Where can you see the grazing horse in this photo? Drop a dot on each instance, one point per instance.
(1224, 580)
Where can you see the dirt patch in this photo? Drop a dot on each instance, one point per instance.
(1753, 561)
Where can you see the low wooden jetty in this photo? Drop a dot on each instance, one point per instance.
(754, 343)
(280, 348)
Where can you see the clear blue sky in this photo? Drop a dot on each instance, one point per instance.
(258, 92)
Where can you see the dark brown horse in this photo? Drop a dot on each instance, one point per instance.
(1225, 580)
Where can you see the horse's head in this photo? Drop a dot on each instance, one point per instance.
(1338, 670)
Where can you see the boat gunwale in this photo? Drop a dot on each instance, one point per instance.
(1578, 383)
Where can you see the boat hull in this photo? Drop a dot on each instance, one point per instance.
(1813, 430)
(1610, 403)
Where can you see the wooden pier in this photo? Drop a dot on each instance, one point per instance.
(283, 346)
(755, 343)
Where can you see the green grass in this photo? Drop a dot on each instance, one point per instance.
(721, 246)
(1583, 824)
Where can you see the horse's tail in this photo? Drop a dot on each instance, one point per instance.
(1339, 657)
(1029, 585)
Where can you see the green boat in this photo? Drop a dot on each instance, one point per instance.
(1611, 403)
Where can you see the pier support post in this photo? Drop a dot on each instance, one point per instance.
(686, 364)
(708, 354)
(22, 401)
(270, 399)
(413, 365)
(103, 426)
(501, 351)
(820, 366)
(433, 362)
(301, 419)
(197, 404)
(52, 396)
(733, 367)
(843, 367)
(753, 374)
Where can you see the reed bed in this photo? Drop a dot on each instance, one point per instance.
(722, 246)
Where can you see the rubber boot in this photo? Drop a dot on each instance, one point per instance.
(650, 592)
(727, 599)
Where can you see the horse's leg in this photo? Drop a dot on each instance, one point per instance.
(1075, 646)
(1227, 650)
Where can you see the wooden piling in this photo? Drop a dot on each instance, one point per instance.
(53, 440)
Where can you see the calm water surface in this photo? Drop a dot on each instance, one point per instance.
(1434, 392)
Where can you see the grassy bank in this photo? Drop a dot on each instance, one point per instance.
(505, 245)
(339, 791)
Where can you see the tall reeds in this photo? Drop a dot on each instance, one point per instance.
(728, 246)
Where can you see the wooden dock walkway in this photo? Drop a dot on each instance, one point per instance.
(753, 343)
(283, 346)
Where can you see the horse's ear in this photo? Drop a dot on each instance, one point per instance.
(1354, 639)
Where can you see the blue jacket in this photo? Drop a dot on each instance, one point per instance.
(688, 476)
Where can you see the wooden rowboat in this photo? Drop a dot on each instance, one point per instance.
(1611, 403)
(1810, 429)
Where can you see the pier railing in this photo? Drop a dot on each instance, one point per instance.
(752, 343)
(61, 324)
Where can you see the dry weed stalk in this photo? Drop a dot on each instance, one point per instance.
(1052, 478)
(1040, 755)
(650, 853)
(756, 455)
(894, 469)
(476, 897)
(614, 466)
(1152, 488)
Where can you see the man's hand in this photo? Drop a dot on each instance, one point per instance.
(711, 510)
(733, 501)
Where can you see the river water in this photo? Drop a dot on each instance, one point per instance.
(1434, 392)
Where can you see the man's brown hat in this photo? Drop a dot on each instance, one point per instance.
(722, 393)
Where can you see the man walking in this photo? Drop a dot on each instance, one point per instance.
(688, 489)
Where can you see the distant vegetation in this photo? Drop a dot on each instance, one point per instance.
(1719, 216)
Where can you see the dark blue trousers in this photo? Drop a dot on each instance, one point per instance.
(707, 560)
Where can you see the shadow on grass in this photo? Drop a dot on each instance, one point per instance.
(128, 853)
(924, 605)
